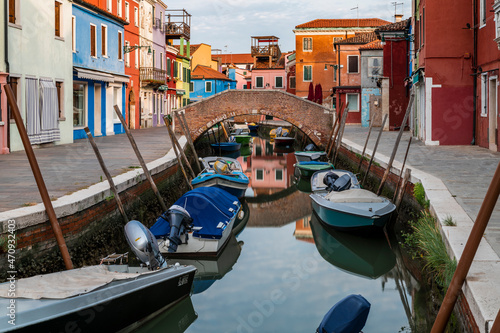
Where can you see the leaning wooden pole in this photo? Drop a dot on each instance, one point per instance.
(366, 144)
(396, 145)
(402, 168)
(141, 160)
(468, 254)
(56, 228)
(402, 189)
(172, 139)
(374, 150)
(496, 324)
(185, 128)
(107, 174)
(336, 127)
(168, 122)
(341, 133)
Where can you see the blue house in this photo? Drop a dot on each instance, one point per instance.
(98, 70)
(206, 82)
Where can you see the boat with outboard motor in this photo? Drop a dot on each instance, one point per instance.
(340, 202)
(280, 131)
(222, 172)
(307, 169)
(199, 223)
(51, 302)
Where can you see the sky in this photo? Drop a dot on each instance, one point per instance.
(228, 25)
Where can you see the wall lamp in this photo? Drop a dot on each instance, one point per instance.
(127, 49)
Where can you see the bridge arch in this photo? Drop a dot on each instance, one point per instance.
(311, 118)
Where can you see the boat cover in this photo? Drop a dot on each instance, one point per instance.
(347, 316)
(65, 284)
(235, 177)
(354, 195)
(211, 208)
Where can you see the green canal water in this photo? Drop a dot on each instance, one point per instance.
(285, 270)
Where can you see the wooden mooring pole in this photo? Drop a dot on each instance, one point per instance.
(396, 145)
(185, 129)
(341, 132)
(374, 150)
(366, 144)
(106, 173)
(168, 122)
(496, 324)
(141, 160)
(402, 168)
(468, 254)
(56, 228)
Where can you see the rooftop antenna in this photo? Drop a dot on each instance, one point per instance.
(395, 3)
(357, 12)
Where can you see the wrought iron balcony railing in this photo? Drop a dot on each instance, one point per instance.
(153, 75)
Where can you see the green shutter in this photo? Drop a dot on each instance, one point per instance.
(169, 71)
(175, 68)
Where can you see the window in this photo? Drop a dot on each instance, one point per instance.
(291, 82)
(278, 174)
(374, 67)
(58, 18)
(120, 47)
(278, 82)
(93, 41)
(191, 87)
(110, 6)
(136, 57)
(259, 82)
(175, 68)
(307, 44)
(482, 12)
(169, 67)
(353, 100)
(14, 12)
(352, 64)
(161, 61)
(119, 8)
(484, 95)
(104, 40)
(127, 55)
(79, 99)
(208, 86)
(60, 99)
(307, 73)
(259, 174)
(73, 32)
(136, 16)
(423, 25)
(127, 12)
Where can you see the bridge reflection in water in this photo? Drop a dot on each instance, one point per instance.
(284, 271)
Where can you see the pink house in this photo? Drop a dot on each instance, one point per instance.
(269, 64)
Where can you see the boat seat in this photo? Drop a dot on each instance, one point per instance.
(353, 195)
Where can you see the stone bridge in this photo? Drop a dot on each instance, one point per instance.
(311, 118)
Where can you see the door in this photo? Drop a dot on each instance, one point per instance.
(97, 110)
(492, 113)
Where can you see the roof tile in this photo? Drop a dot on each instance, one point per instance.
(343, 23)
(205, 72)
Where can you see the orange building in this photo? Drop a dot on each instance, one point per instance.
(316, 59)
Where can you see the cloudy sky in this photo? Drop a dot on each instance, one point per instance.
(228, 24)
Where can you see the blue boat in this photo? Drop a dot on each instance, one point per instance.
(340, 202)
(199, 223)
(222, 172)
(226, 146)
(252, 127)
(347, 316)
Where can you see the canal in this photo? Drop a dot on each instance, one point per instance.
(283, 271)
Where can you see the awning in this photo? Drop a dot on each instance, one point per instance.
(416, 76)
(100, 76)
(181, 92)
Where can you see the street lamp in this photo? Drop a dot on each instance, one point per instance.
(127, 49)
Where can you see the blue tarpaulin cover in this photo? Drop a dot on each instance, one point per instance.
(208, 207)
(347, 316)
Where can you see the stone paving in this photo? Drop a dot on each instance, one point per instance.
(69, 168)
(465, 170)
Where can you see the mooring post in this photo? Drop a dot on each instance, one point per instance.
(336, 130)
(374, 150)
(56, 228)
(176, 143)
(468, 254)
(341, 133)
(185, 128)
(496, 324)
(167, 121)
(366, 144)
(139, 157)
(106, 173)
(402, 168)
(396, 145)
(402, 189)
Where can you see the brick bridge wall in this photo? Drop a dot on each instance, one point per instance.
(311, 118)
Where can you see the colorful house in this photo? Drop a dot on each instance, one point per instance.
(131, 49)
(171, 56)
(38, 56)
(444, 71)
(316, 58)
(371, 60)
(182, 73)
(201, 54)
(290, 73)
(98, 69)
(207, 82)
(269, 64)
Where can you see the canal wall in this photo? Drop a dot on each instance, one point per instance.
(89, 219)
(479, 300)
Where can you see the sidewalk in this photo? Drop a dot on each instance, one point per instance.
(455, 179)
(69, 168)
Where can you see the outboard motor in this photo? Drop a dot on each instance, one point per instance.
(329, 179)
(279, 130)
(310, 147)
(342, 183)
(144, 244)
(180, 224)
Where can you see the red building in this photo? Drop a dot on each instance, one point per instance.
(443, 76)
(395, 39)
(131, 14)
(170, 56)
(290, 73)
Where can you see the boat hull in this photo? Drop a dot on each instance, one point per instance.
(307, 156)
(107, 309)
(243, 139)
(343, 216)
(284, 140)
(253, 128)
(226, 146)
(223, 182)
(307, 170)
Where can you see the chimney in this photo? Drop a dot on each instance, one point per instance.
(398, 17)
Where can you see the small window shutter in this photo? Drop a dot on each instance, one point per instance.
(12, 11)
(92, 41)
(353, 64)
(58, 18)
(103, 40)
(120, 48)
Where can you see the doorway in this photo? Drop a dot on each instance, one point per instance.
(97, 110)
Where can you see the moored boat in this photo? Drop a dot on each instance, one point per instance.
(307, 169)
(199, 223)
(280, 131)
(284, 140)
(222, 172)
(348, 315)
(253, 127)
(307, 156)
(226, 146)
(341, 203)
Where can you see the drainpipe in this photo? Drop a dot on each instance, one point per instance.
(474, 75)
(7, 66)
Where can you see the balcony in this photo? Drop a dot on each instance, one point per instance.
(152, 75)
(266, 46)
(158, 24)
(177, 24)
